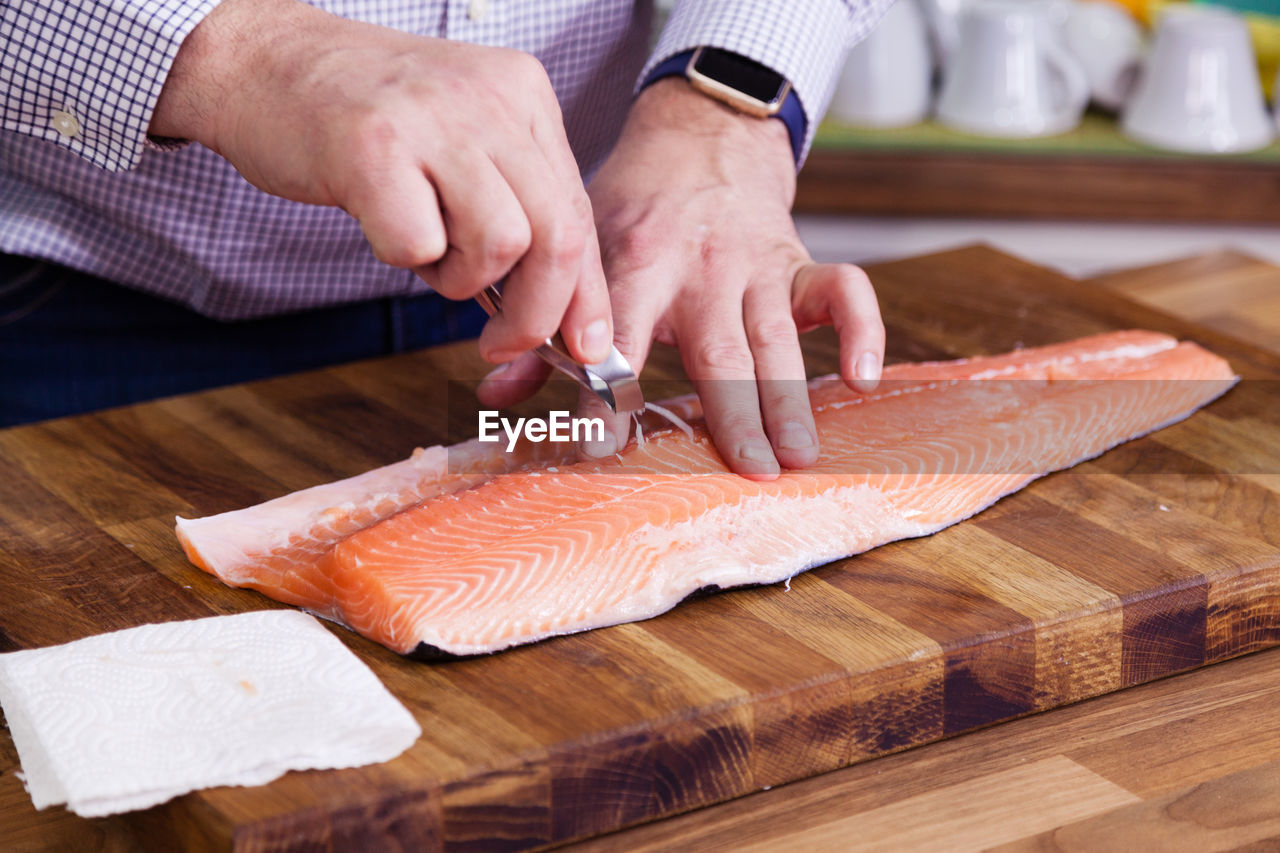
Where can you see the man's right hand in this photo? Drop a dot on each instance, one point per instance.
(453, 157)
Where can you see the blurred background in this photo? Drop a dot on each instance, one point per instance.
(1084, 135)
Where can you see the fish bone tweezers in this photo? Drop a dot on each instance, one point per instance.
(612, 380)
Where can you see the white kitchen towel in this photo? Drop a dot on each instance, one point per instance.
(130, 719)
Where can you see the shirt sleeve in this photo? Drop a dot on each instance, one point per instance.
(86, 75)
(806, 42)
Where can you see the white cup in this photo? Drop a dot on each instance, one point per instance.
(887, 80)
(944, 28)
(1108, 43)
(1199, 90)
(1010, 75)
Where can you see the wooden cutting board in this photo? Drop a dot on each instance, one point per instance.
(1160, 556)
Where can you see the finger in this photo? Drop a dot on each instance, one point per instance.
(636, 300)
(399, 214)
(779, 365)
(582, 324)
(538, 290)
(617, 427)
(717, 357)
(486, 226)
(549, 135)
(637, 304)
(589, 309)
(510, 383)
(842, 295)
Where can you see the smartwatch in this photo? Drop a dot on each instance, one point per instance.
(742, 83)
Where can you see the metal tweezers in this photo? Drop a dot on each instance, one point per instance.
(612, 380)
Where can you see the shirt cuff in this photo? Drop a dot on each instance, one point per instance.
(86, 75)
(804, 42)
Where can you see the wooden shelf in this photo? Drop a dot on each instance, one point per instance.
(1091, 173)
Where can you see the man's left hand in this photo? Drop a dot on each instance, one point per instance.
(700, 251)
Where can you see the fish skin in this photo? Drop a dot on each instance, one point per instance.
(470, 550)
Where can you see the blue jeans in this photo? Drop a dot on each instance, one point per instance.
(71, 343)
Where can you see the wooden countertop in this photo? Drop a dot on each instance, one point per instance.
(1188, 763)
(822, 811)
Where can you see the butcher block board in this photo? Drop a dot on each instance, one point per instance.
(1160, 556)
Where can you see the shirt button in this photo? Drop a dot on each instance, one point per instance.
(66, 124)
(477, 9)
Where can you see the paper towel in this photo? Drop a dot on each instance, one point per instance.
(130, 719)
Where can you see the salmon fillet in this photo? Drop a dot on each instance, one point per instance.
(468, 549)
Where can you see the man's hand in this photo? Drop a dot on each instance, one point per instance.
(693, 209)
(453, 157)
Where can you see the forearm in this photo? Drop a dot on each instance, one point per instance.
(237, 37)
(676, 116)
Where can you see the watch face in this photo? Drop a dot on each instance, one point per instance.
(738, 72)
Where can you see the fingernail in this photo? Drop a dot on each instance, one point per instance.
(596, 341)
(793, 436)
(868, 368)
(497, 371)
(756, 451)
(606, 446)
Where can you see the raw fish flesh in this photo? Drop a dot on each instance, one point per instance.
(468, 549)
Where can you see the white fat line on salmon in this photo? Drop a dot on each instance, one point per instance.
(671, 416)
(557, 426)
(662, 412)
